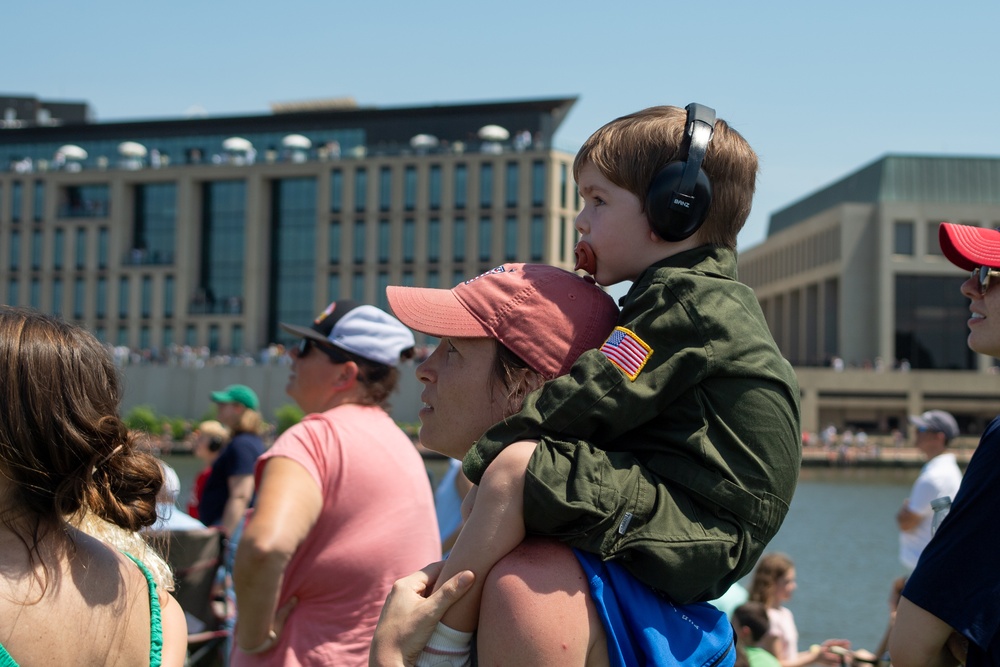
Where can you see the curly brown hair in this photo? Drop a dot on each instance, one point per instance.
(62, 445)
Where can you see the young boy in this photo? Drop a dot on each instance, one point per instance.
(751, 624)
(675, 448)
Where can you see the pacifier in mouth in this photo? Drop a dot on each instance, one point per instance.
(586, 260)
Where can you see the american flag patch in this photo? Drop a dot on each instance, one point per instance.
(626, 351)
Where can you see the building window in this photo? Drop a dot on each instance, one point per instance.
(35, 294)
(168, 296)
(537, 183)
(358, 287)
(434, 198)
(410, 188)
(562, 238)
(168, 337)
(58, 248)
(190, 335)
(123, 297)
(57, 296)
(458, 242)
(485, 238)
(12, 296)
(333, 243)
(408, 279)
(15, 250)
(16, 201)
(122, 337)
(510, 185)
(84, 201)
(537, 238)
(434, 240)
(333, 287)
(213, 338)
(224, 222)
(36, 249)
(384, 242)
(384, 188)
(146, 296)
(381, 300)
(101, 303)
(236, 345)
(101, 334)
(461, 186)
(409, 239)
(81, 247)
(433, 279)
(927, 308)
(510, 238)
(485, 185)
(360, 188)
(39, 208)
(144, 337)
(102, 248)
(457, 277)
(359, 241)
(902, 237)
(563, 183)
(79, 298)
(154, 224)
(336, 191)
(293, 253)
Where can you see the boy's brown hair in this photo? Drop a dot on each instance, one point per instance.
(630, 151)
(752, 616)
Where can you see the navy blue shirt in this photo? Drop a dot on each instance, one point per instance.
(237, 459)
(957, 578)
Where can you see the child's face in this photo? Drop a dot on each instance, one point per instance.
(613, 223)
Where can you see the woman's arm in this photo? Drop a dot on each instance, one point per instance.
(288, 505)
(408, 617)
(174, 631)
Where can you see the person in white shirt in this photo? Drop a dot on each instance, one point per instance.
(939, 477)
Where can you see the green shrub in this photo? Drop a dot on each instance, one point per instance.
(286, 416)
(143, 418)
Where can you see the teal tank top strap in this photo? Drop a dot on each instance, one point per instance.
(5, 659)
(155, 623)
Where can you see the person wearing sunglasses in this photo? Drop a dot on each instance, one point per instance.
(950, 609)
(344, 505)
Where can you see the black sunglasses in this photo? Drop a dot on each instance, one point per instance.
(983, 275)
(306, 344)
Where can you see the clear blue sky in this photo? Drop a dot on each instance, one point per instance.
(819, 89)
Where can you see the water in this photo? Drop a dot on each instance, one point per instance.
(841, 533)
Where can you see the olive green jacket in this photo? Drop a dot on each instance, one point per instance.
(685, 472)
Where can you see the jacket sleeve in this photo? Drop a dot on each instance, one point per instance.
(598, 401)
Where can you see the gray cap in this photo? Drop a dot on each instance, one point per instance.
(937, 420)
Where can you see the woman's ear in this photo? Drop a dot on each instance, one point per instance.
(346, 375)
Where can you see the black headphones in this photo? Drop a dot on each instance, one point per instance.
(678, 198)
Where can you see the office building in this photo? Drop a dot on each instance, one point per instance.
(211, 231)
(852, 277)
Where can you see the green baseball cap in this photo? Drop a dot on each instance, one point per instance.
(237, 393)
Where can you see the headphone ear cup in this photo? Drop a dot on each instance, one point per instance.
(672, 222)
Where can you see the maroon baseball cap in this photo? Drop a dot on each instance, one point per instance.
(545, 315)
(968, 246)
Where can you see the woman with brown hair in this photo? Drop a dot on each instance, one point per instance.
(773, 585)
(69, 598)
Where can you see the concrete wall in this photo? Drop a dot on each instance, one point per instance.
(185, 392)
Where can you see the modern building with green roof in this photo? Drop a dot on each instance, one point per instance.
(852, 277)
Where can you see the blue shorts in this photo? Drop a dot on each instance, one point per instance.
(645, 628)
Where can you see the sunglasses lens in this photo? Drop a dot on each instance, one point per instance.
(984, 279)
(303, 347)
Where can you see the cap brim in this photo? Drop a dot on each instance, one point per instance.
(969, 246)
(436, 312)
(303, 332)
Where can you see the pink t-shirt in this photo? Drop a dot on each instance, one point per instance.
(377, 524)
(783, 627)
